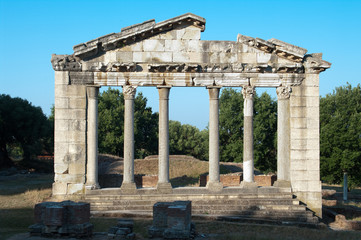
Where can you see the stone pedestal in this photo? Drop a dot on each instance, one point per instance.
(172, 220)
(128, 185)
(214, 183)
(248, 161)
(283, 137)
(62, 219)
(163, 164)
(92, 138)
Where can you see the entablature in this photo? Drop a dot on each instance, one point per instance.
(188, 79)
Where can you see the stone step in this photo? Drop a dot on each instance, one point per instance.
(198, 202)
(173, 197)
(261, 191)
(220, 211)
(203, 208)
(311, 223)
(229, 216)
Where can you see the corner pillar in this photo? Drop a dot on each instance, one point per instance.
(128, 185)
(248, 158)
(283, 137)
(92, 138)
(164, 185)
(214, 183)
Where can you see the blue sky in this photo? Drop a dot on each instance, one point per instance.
(30, 31)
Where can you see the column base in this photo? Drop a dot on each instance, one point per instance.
(282, 184)
(215, 186)
(92, 186)
(249, 185)
(128, 188)
(164, 188)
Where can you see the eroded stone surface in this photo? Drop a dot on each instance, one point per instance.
(170, 54)
(172, 220)
(62, 219)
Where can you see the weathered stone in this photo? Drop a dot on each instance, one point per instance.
(75, 188)
(54, 215)
(60, 188)
(62, 219)
(171, 220)
(170, 53)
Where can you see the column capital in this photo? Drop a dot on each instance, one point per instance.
(283, 92)
(213, 93)
(163, 92)
(248, 92)
(129, 92)
(92, 91)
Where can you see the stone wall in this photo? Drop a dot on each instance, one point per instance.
(70, 136)
(305, 143)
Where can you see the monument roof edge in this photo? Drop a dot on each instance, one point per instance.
(140, 30)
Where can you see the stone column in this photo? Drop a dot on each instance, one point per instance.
(163, 185)
(214, 183)
(283, 137)
(128, 184)
(92, 138)
(248, 162)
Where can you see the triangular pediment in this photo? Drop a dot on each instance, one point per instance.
(175, 46)
(135, 33)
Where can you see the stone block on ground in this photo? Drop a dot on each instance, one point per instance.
(172, 220)
(62, 219)
(123, 230)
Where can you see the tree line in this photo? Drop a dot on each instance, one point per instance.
(26, 131)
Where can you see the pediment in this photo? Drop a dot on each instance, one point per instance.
(153, 50)
(136, 33)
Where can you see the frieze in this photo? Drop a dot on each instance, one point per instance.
(225, 68)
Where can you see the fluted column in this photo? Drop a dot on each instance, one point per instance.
(128, 184)
(248, 161)
(214, 183)
(92, 138)
(163, 164)
(283, 137)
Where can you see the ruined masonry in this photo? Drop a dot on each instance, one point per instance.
(170, 54)
(62, 219)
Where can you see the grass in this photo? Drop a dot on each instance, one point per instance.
(18, 195)
(182, 172)
(239, 231)
(13, 221)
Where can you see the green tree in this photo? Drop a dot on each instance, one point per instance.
(265, 133)
(231, 125)
(111, 124)
(187, 140)
(340, 115)
(231, 129)
(21, 124)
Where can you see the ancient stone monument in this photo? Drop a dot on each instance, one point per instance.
(62, 219)
(172, 220)
(171, 54)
